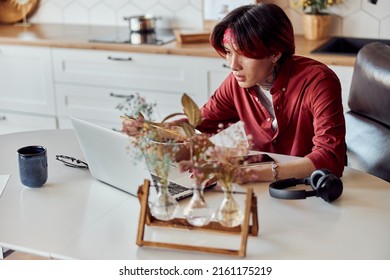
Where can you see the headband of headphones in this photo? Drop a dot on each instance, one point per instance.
(324, 184)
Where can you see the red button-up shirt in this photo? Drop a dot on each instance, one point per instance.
(307, 102)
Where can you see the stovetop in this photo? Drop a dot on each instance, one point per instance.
(158, 37)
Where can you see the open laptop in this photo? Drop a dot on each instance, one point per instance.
(110, 161)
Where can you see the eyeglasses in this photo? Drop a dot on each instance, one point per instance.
(72, 162)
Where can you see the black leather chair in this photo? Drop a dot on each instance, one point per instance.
(368, 121)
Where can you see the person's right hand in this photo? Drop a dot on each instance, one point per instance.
(132, 126)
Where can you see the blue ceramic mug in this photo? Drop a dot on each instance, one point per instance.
(33, 166)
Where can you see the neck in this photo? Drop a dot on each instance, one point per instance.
(269, 80)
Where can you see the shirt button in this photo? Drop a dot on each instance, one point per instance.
(283, 89)
(257, 99)
(269, 119)
(277, 107)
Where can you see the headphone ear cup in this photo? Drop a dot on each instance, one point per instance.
(330, 187)
(316, 176)
(336, 189)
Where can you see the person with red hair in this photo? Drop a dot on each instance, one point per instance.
(288, 104)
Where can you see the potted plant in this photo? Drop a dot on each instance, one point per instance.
(316, 19)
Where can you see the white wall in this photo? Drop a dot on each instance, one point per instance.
(175, 13)
(356, 18)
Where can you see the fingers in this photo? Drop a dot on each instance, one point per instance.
(132, 127)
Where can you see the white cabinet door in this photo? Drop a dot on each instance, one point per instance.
(215, 70)
(99, 104)
(10, 122)
(26, 80)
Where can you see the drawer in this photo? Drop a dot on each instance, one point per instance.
(99, 103)
(12, 122)
(129, 70)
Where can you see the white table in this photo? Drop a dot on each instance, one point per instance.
(74, 216)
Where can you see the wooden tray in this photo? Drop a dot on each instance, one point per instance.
(250, 226)
(11, 11)
(192, 36)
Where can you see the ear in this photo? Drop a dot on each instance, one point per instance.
(275, 57)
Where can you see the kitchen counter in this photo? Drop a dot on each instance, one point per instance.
(77, 36)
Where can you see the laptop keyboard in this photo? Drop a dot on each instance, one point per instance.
(173, 188)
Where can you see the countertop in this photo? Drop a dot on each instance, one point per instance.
(77, 36)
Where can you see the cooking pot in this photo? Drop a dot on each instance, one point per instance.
(137, 38)
(143, 23)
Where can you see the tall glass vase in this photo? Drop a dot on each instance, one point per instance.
(165, 206)
(160, 156)
(197, 212)
(229, 213)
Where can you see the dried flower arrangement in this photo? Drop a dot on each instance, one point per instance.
(178, 141)
(136, 107)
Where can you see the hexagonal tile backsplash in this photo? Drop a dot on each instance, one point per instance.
(356, 18)
(174, 13)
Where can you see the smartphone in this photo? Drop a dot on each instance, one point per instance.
(255, 159)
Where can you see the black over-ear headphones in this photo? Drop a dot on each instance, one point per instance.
(323, 183)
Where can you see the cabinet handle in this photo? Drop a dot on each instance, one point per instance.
(115, 95)
(3, 118)
(225, 66)
(119, 58)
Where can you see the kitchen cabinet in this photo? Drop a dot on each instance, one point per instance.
(17, 122)
(215, 70)
(98, 104)
(27, 91)
(90, 83)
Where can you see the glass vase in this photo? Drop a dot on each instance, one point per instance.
(164, 207)
(160, 156)
(229, 213)
(197, 212)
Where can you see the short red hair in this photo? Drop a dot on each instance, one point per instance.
(259, 30)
